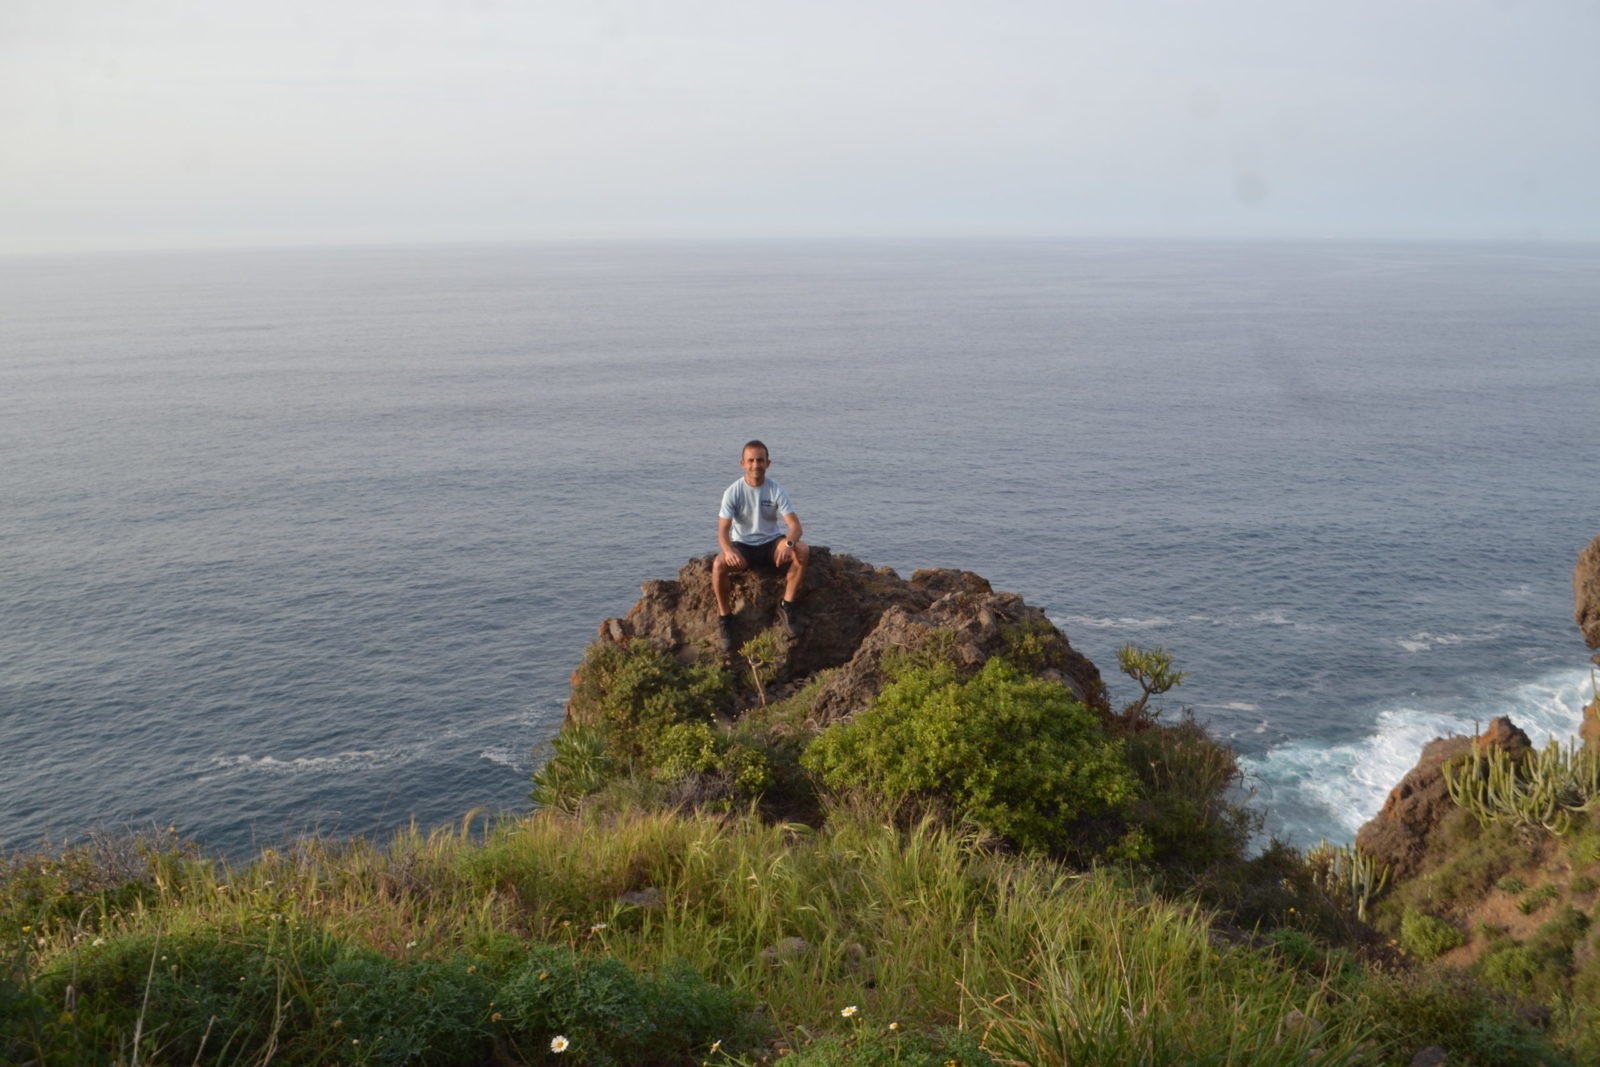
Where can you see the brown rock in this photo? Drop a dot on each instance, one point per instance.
(851, 615)
(978, 619)
(1503, 733)
(1586, 593)
(1399, 835)
(1432, 1056)
(1589, 729)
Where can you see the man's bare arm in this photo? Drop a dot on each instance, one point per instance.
(781, 554)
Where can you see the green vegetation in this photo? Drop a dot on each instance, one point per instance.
(1351, 878)
(1542, 789)
(632, 693)
(1538, 898)
(980, 868)
(1152, 669)
(1427, 937)
(1526, 936)
(1016, 755)
(443, 947)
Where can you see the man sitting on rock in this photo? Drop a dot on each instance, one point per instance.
(749, 534)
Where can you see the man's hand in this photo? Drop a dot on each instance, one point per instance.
(782, 554)
(732, 560)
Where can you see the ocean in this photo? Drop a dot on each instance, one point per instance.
(310, 541)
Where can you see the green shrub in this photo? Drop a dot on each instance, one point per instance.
(696, 750)
(1538, 898)
(1517, 970)
(1584, 884)
(633, 692)
(606, 1014)
(24, 1020)
(688, 748)
(200, 997)
(1182, 807)
(577, 767)
(1427, 937)
(1583, 844)
(1298, 948)
(77, 885)
(782, 730)
(1541, 967)
(1277, 888)
(1447, 1009)
(1475, 860)
(1562, 933)
(1585, 1025)
(386, 1013)
(1017, 755)
(1034, 646)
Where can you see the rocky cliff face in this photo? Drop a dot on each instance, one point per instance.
(1586, 593)
(851, 615)
(1586, 612)
(1399, 835)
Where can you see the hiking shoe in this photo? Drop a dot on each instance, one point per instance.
(725, 633)
(786, 619)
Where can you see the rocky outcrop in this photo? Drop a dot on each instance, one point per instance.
(1586, 593)
(1400, 833)
(1586, 612)
(851, 616)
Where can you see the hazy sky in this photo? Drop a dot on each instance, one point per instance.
(173, 123)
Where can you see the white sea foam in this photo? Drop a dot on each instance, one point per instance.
(356, 759)
(508, 756)
(1312, 789)
(1104, 622)
(1265, 617)
(1426, 640)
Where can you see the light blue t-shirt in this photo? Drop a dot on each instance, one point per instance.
(757, 513)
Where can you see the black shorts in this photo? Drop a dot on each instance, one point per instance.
(760, 555)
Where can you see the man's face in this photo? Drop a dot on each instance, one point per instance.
(755, 464)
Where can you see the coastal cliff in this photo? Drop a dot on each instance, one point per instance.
(1017, 873)
(1586, 613)
(1490, 853)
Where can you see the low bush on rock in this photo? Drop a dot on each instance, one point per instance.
(1016, 755)
(626, 701)
(1427, 937)
(634, 692)
(1183, 814)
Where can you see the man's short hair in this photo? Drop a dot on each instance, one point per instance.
(756, 444)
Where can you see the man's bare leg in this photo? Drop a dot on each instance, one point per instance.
(722, 583)
(797, 571)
